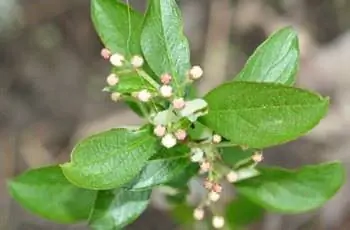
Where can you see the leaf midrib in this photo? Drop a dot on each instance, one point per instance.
(172, 65)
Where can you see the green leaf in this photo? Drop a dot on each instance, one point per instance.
(118, 26)
(241, 212)
(259, 115)
(47, 193)
(234, 155)
(199, 132)
(163, 43)
(165, 167)
(114, 209)
(286, 191)
(275, 60)
(165, 117)
(193, 109)
(110, 159)
(183, 214)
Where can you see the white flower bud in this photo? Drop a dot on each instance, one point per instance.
(258, 157)
(218, 222)
(106, 53)
(112, 79)
(213, 196)
(197, 155)
(180, 134)
(117, 60)
(195, 72)
(166, 79)
(169, 141)
(216, 139)
(159, 130)
(136, 61)
(198, 214)
(178, 103)
(115, 96)
(144, 95)
(166, 91)
(232, 177)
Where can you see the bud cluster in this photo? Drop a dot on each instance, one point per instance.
(169, 127)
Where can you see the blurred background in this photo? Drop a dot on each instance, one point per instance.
(51, 76)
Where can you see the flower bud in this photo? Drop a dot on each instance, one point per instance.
(169, 141)
(217, 188)
(218, 222)
(180, 134)
(205, 166)
(144, 95)
(232, 177)
(112, 79)
(115, 96)
(159, 130)
(166, 91)
(197, 155)
(208, 184)
(213, 196)
(136, 61)
(195, 72)
(117, 60)
(178, 103)
(198, 214)
(257, 157)
(106, 53)
(166, 79)
(216, 139)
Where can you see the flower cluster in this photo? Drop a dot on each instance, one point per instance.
(172, 116)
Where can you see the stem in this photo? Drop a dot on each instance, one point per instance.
(142, 108)
(145, 76)
(125, 71)
(144, 111)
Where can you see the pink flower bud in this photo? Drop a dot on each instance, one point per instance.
(217, 188)
(180, 134)
(166, 78)
(159, 130)
(106, 53)
(205, 166)
(178, 103)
